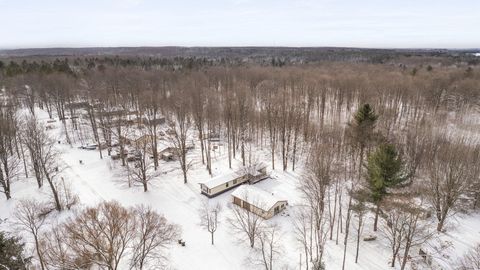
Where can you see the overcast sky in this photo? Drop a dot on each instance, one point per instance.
(346, 23)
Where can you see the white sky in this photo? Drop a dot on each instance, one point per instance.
(350, 23)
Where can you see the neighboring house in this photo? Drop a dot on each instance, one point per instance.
(222, 183)
(144, 139)
(160, 120)
(77, 105)
(258, 201)
(168, 153)
(213, 137)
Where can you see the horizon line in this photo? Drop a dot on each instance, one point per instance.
(235, 46)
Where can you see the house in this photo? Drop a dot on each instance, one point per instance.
(258, 201)
(168, 153)
(222, 183)
(77, 105)
(213, 137)
(144, 139)
(157, 121)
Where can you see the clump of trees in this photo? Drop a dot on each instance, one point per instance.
(452, 168)
(111, 237)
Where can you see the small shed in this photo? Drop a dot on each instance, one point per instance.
(258, 201)
(257, 173)
(222, 183)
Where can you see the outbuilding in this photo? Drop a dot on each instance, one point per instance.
(258, 201)
(257, 173)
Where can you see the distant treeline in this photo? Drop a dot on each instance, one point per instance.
(74, 61)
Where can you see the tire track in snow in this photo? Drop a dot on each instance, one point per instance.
(84, 183)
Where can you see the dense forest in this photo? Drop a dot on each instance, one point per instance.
(395, 136)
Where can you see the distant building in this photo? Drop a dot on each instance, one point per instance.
(168, 153)
(144, 139)
(258, 201)
(77, 105)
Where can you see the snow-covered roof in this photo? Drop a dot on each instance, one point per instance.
(256, 196)
(222, 179)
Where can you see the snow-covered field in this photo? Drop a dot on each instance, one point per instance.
(96, 180)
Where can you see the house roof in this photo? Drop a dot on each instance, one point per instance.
(256, 196)
(222, 179)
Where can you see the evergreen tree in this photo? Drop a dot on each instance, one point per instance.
(385, 169)
(362, 128)
(11, 253)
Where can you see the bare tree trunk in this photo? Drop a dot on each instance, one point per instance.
(347, 230)
(375, 222)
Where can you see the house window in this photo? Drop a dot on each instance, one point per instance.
(237, 201)
(234, 181)
(226, 185)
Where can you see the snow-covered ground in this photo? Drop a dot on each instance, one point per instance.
(96, 180)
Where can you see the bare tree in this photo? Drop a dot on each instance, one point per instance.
(246, 223)
(150, 107)
(471, 260)
(360, 210)
(269, 249)
(10, 159)
(101, 235)
(405, 228)
(32, 140)
(153, 235)
(143, 170)
(306, 234)
(417, 231)
(209, 217)
(451, 167)
(45, 156)
(394, 224)
(58, 253)
(314, 189)
(29, 218)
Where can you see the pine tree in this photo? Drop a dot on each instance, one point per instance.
(385, 169)
(362, 128)
(363, 125)
(11, 250)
